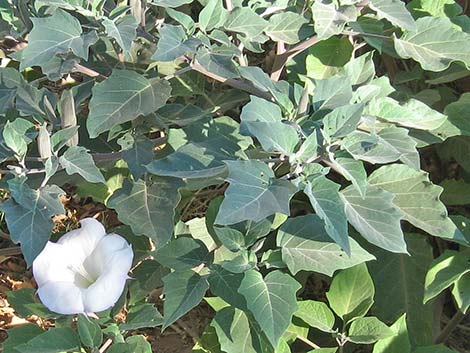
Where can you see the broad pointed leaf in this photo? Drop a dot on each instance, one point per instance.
(28, 215)
(246, 21)
(183, 290)
(183, 253)
(329, 19)
(401, 288)
(351, 293)
(54, 35)
(305, 245)
(435, 44)
(123, 30)
(445, 271)
(324, 197)
(316, 314)
(123, 97)
(77, 160)
(367, 330)
(272, 301)
(285, 27)
(148, 207)
(375, 217)
(395, 11)
(423, 209)
(413, 113)
(254, 193)
(262, 119)
(237, 334)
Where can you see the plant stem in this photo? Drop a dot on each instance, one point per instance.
(14, 250)
(105, 345)
(241, 85)
(308, 342)
(456, 319)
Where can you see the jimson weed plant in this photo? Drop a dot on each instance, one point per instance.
(300, 166)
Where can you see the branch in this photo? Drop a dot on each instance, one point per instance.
(241, 85)
(15, 250)
(281, 60)
(445, 333)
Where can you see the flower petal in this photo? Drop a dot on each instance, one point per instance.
(113, 254)
(61, 297)
(84, 239)
(104, 293)
(54, 263)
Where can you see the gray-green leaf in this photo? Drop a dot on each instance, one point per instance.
(254, 193)
(272, 301)
(148, 207)
(435, 44)
(305, 245)
(123, 97)
(77, 160)
(375, 217)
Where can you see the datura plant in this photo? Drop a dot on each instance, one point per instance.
(297, 167)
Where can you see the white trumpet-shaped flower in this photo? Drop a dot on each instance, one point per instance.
(85, 271)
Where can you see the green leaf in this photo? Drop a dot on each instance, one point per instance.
(285, 27)
(183, 291)
(183, 253)
(351, 293)
(26, 303)
(423, 210)
(123, 30)
(272, 301)
(352, 170)
(389, 145)
(173, 43)
(19, 335)
(367, 330)
(28, 216)
(437, 8)
(461, 292)
(327, 57)
(15, 136)
(138, 155)
(316, 314)
(399, 342)
(262, 119)
(444, 272)
(148, 207)
(400, 288)
(236, 333)
(331, 93)
(77, 160)
(212, 15)
(225, 285)
(55, 340)
(324, 197)
(142, 316)
(54, 35)
(457, 148)
(330, 19)
(375, 217)
(395, 11)
(89, 331)
(413, 113)
(435, 44)
(123, 97)
(254, 193)
(244, 20)
(306, 246)
(342, 120)
(212, 141)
